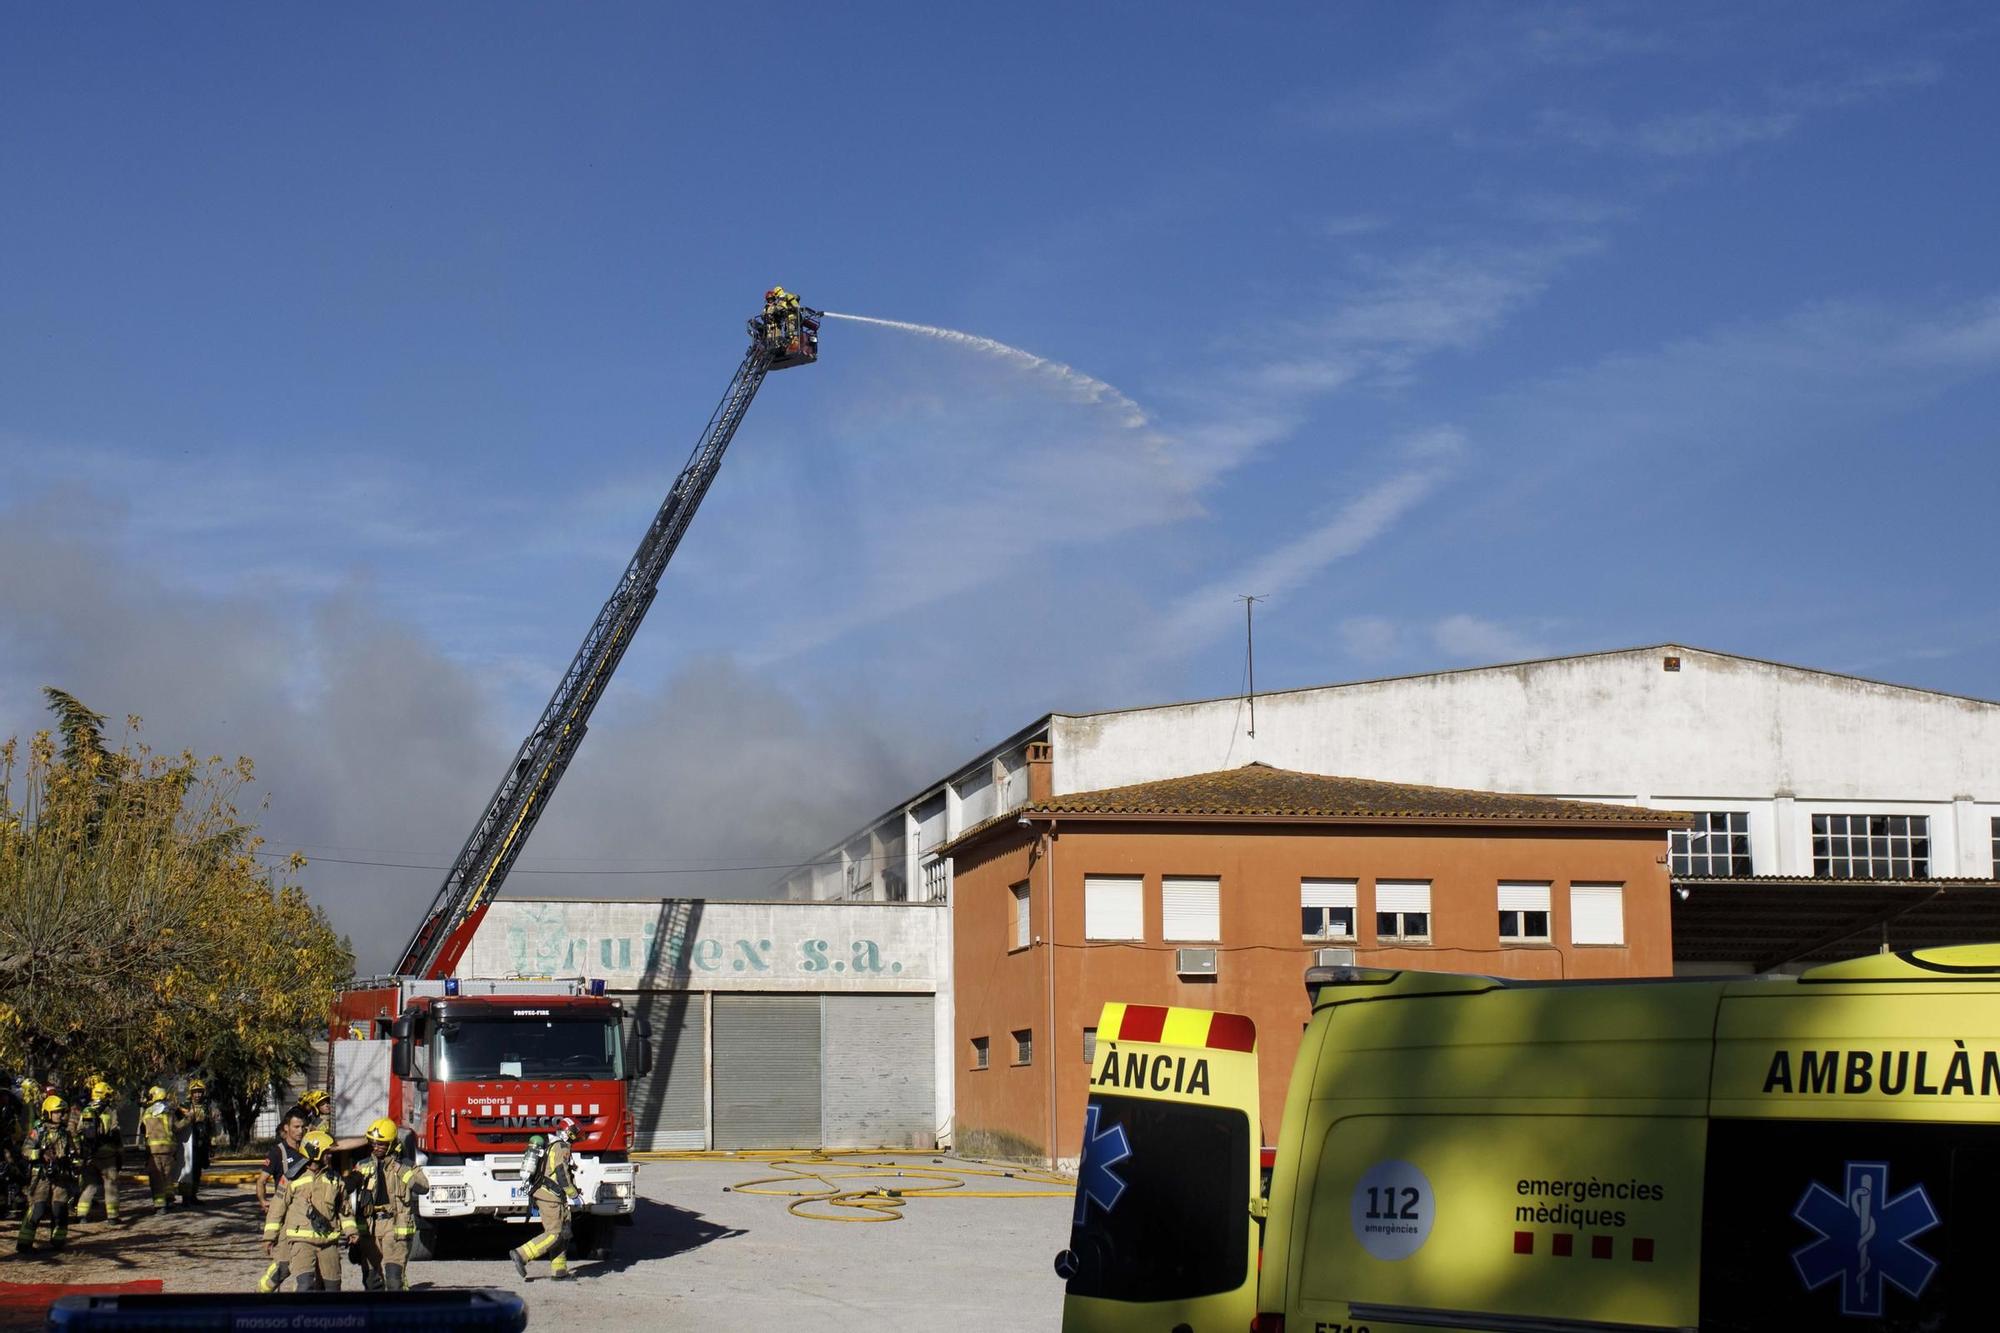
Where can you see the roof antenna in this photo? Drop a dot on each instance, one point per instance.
(1250, 656)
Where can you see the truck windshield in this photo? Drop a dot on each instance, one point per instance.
(1170, 1218)
(472, 1046)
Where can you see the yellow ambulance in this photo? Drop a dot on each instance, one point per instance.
(1460, 1153)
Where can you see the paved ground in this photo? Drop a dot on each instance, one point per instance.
(698, 1256)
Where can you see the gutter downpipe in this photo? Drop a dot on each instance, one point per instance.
(1049, 966)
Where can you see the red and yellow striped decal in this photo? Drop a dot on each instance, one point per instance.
(1166, 1025)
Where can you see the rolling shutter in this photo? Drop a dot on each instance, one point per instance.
(1114, 907)
(1326, 893)
(1191, 908)
(1524, 897)
(1022, 934)
(1402, 895)
(1597, 914)
(670, 1105)
(767, 1071)
(879, 1082)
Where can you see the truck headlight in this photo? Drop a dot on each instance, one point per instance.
(448, 1194)
(618, 1189)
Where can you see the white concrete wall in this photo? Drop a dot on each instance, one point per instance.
(1721, 733)
(697, 945)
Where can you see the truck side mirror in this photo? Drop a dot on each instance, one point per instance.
(402, 1054)
(639, 1049)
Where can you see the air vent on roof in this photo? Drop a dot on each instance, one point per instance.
(1194, 962)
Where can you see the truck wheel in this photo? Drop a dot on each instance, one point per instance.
(424, 1245)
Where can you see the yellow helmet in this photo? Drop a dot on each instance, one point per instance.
(100, 1090)
(196, 1085)
(316, 1145)
(315, 1099)
(53, 1104)
(156, 1093)
(382, 1131)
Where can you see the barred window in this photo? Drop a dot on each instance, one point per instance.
(1718, 844)
(1871, 846)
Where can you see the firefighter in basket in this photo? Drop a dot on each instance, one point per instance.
(551, 1178)
(308, 1225)
(383, 1193)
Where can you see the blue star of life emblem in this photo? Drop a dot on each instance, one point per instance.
(1096, 1182)
(1865, 1239)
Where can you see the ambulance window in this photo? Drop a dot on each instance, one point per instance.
(1165, 1202)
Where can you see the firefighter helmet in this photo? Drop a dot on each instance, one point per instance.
(156, 1093)
(315, 1100)
(382, 1131)
(196, 1085)
(53, 1104)
(566, 1126)
(100, 1091)
(316, 1145)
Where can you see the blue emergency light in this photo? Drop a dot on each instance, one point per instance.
(451, 985)
(597, 985)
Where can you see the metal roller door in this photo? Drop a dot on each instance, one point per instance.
(670, 1105)
(879, 1079)
(767, 1071)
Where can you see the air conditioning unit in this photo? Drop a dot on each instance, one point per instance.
(1194, 962)
(1333, 958)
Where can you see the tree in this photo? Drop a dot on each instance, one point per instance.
(139, 935)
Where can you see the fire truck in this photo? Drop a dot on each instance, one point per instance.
(470, 1067)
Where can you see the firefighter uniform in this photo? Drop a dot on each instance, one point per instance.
(308, 1224)
(383, 1191)
(103, 1154)
(199, 1121)
(50, 1152)
(552, 1183)
(160, 1125)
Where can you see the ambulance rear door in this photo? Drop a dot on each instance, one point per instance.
(1163, 1235)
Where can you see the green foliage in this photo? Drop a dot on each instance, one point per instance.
(139, 937)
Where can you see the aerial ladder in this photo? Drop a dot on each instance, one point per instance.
(785, 334)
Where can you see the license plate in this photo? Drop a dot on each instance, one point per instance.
(520, 1192)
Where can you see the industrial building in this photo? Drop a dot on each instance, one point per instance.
(1827, 814)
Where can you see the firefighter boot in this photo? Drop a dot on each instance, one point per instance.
(59, 1234)
(329, 1284)
(25, 1240)
(520, 1260)
(393, 1276)
(274, 1277)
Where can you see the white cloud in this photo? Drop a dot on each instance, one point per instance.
(1370, 638)
(1470, 638)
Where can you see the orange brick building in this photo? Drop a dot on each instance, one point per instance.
(1215, 891)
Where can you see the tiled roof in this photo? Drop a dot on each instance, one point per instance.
(1260, 791)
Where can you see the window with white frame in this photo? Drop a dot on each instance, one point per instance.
(1327, 906)
(1022, 917)
(1114, 907)
(1718, 844)
(1191, 907)
(1596, 913)
(1524, 913)
(1403, 911)
(1871, 846)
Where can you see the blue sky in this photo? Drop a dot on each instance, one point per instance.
(345, 355)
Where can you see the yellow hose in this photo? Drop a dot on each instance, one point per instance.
(878, 1202)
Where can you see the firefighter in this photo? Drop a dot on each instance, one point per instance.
(551, 1178)
(287, 1158)
(314, 1102)
(308, 1224)
(103, 1153)
(200, 1119)
(383, 1192)
(51, 1154)
(160, 1124)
